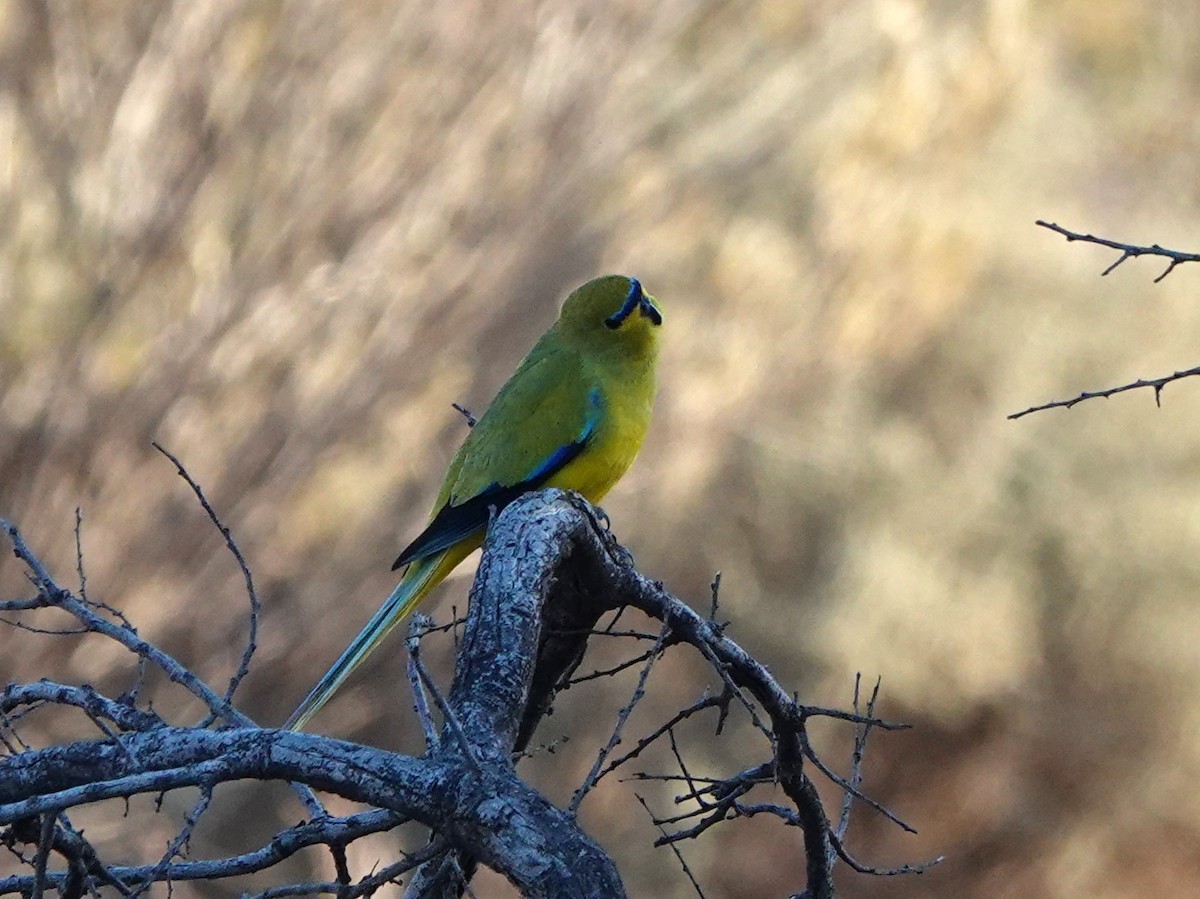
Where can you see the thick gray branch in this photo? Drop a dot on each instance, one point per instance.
(494, 816)
(548, 573)
(532, 605)
(467, 791)
(64, 776)
(578, 550)
(527, 622)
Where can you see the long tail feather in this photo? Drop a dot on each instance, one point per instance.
(421, 577)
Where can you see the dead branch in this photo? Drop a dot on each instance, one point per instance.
(549, 572)
(1128, 251)
(1156, 383)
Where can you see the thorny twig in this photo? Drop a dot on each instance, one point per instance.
(675, 849)
(600, 673)
(448, 717)
(181, 839)
(417, 628)
(860, 745)
(127, 636)
(1156, 383)
(597, 771)
(1128, 251)
(231, 545)
(283, 845)
(707, 702)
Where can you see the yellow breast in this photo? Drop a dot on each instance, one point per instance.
(627, 399)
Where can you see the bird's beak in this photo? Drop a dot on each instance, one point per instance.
(647, 309)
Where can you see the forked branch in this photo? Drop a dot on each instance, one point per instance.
(549, 572)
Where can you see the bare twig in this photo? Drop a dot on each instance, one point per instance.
(861, 868)
(51, 631)
(675, 849)
(58, 597)
(784, 813)
(283, 845)
(1156, 383)
(231, 545)
(707, 702)
(860, 745)
(1128, 250)
(45, 841)
(128, 637)
(181, 839)
(856, 761)
(597, 771)
(24, 605)
(713, 814)
(449, 717)
(596, 632)
(734, 690)
(815, 711)
(683, 768)
(417, 628)
(79, 554)
(116, 613)
(723, 786)
(812, 756)
(600, 673)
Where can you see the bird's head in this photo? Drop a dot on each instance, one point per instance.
(612, 315)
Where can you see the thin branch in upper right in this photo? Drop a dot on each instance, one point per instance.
(1128, 251)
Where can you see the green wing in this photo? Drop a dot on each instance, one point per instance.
(543, 418)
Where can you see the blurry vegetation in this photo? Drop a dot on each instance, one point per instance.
(281, 238)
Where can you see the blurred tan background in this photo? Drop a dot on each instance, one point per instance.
(281, 238)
